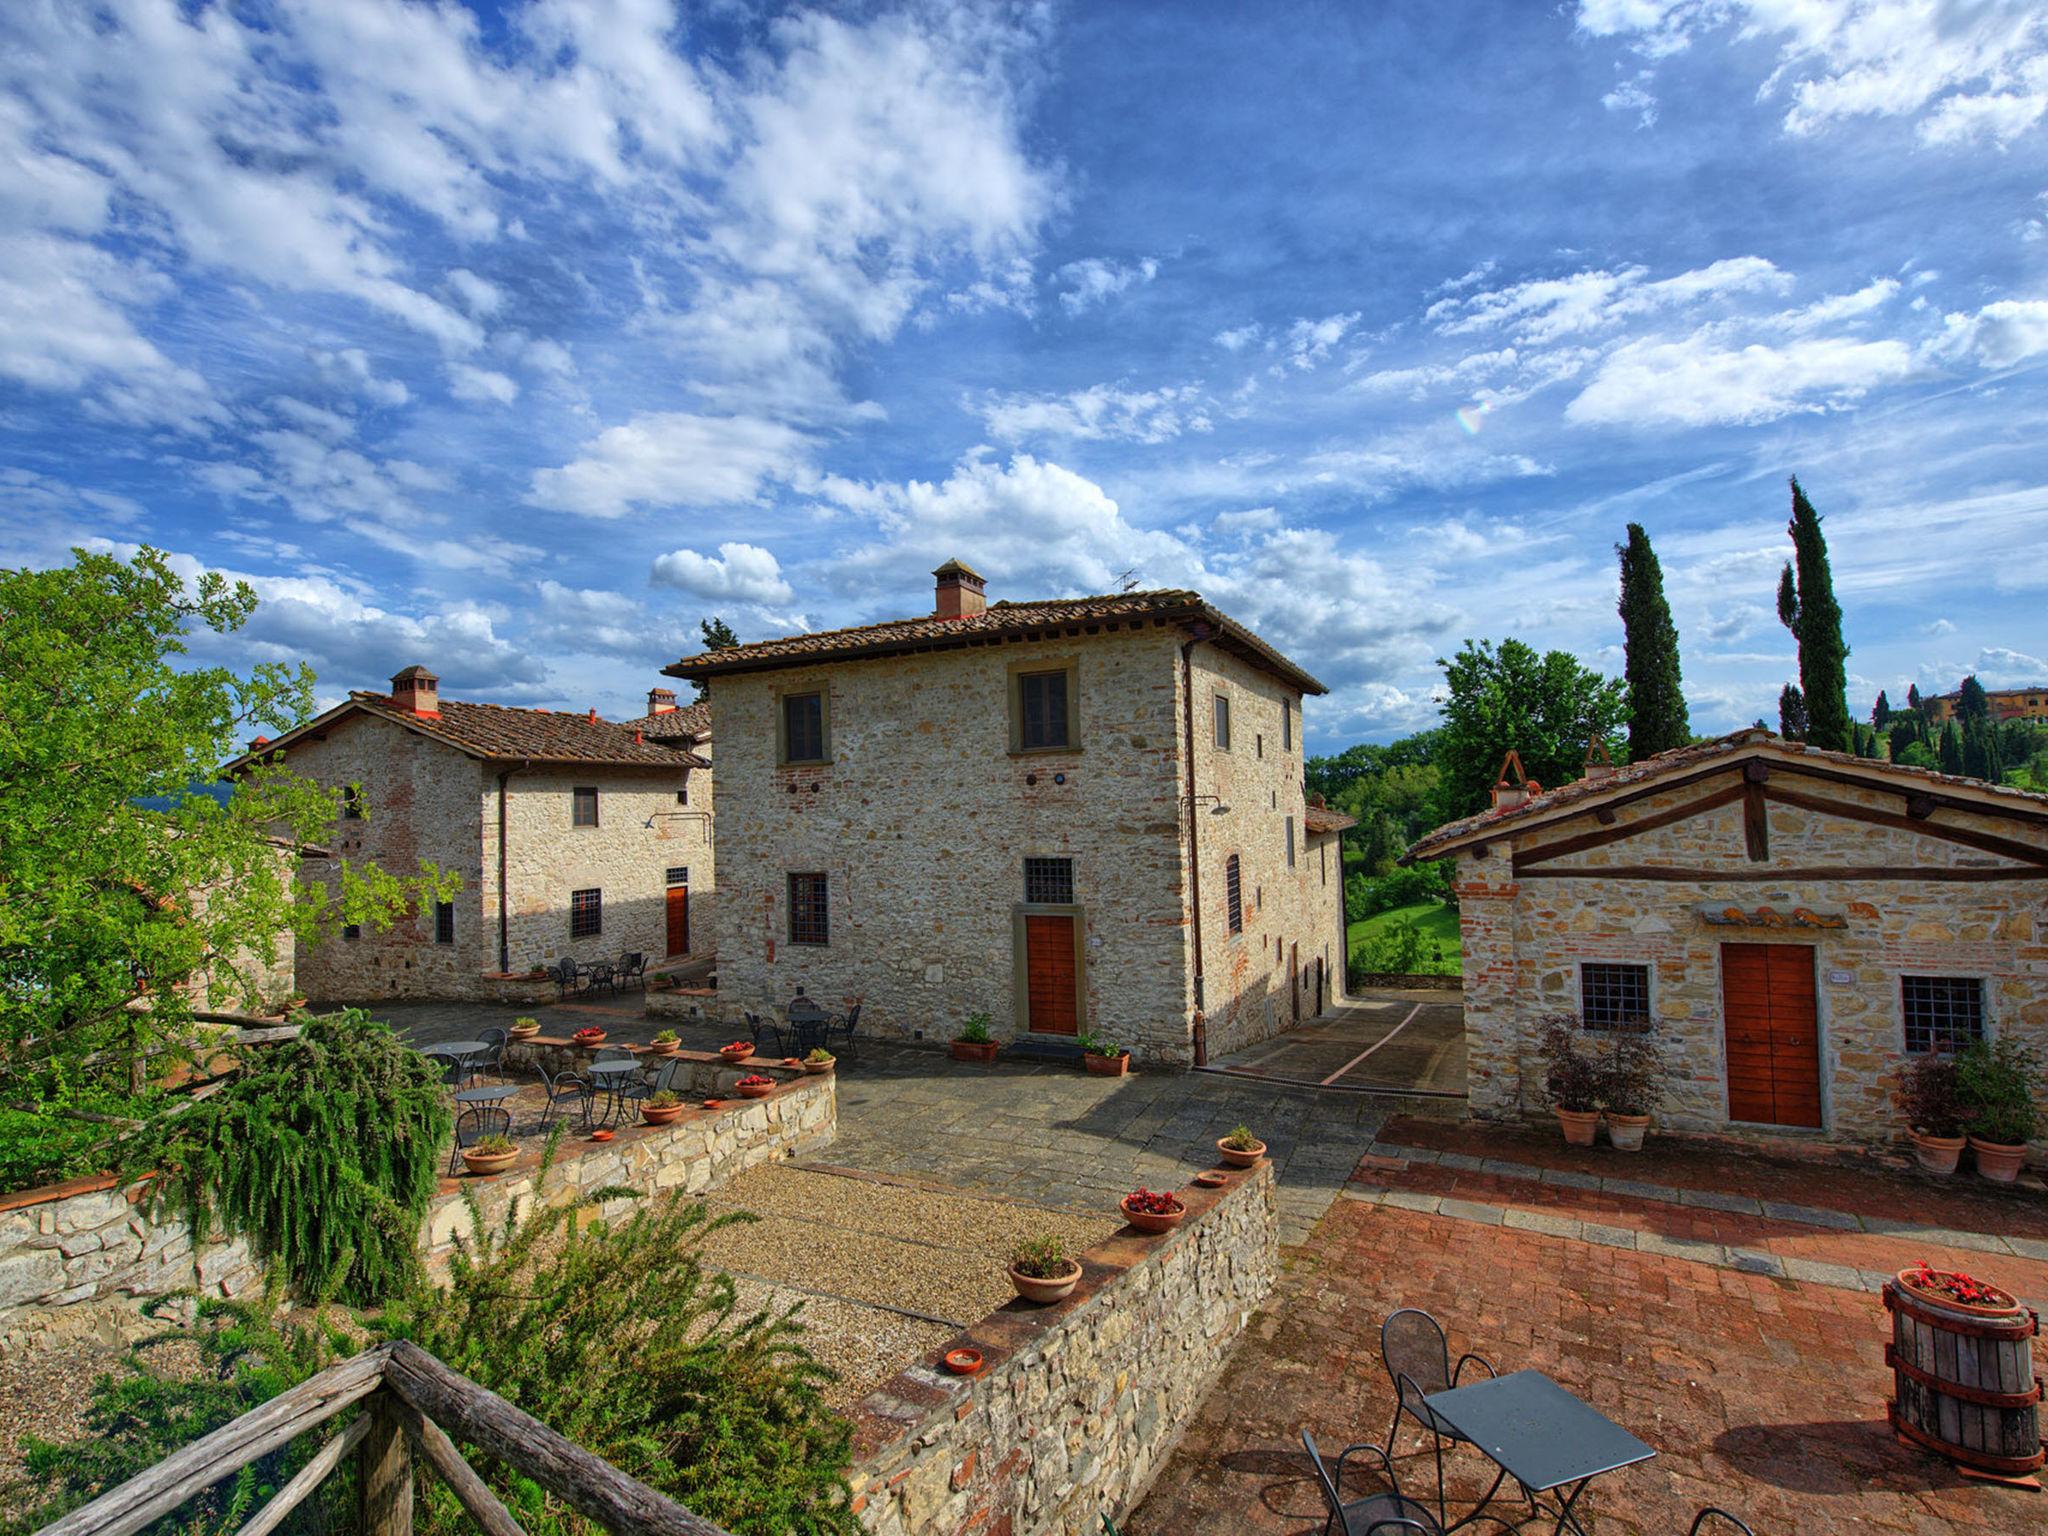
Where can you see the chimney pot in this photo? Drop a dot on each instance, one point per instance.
(661, 701)
(959, 590)
(593, 714)
(417, 691)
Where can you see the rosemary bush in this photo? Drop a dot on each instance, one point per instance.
(324, 1151)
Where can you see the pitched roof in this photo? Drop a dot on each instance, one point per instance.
(1320, 818)
(999, 621)
(688, 723)
(1739, 746)
(501, 733)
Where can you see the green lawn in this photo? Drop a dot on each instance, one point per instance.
(1436, 921)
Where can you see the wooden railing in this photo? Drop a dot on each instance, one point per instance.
(409, 1400)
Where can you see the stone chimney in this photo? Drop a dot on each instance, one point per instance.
(1598, 764)
(417, 691)
(959, 591)
(1510, 792)
(661, 701)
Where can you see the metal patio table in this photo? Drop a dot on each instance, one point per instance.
(1540, 1435)
(611, 1077)
(480, 1108)
(468, 1050)
(808, 1026)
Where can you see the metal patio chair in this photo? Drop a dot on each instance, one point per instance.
(492, 1057)
(1418, 1361)
(565, 974)
(758, 1027)
(565, 1091)
(1377, 1514)
(454, 1066)
(1722, 1517)
(475, 1123)
(631, 970)
(846, 1028)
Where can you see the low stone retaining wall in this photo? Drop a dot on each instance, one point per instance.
(1403, 981)
(1076, 1405)
(79, 1260)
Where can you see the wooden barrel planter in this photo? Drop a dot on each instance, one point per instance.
(1963, 1372)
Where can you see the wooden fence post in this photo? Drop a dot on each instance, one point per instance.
(386, 1471)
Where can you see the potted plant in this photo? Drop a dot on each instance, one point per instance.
(589, 1034)
(667, 1043)
(1241, 1149)
(755, 1086)
(1104, 1058)
(820, 1060)
(1631, 1077)
(1151, 1210)
(489, 1154)
(1997, 1080)
(1572, 1079)
(737, 1051)
(661, 1108)
(974, 1042)
(1041, 1271)
(1932, 1098)
(524, 1029)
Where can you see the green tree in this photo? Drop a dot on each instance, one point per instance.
(1807, 607)
(718, 636)
(1972, 703)
(1915, 754)
(123, 892)
(1951, 749)
(1545, 708)
(1657, 719)
(1791, 713)
(1913, 697)
(1881, 712)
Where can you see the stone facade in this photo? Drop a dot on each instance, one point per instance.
(1077, 1405)
(924, 815)
(1528, 933)
(78, 1260)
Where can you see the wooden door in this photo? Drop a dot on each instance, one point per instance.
(1773, 1033)
(1052, 975)
(679, 920)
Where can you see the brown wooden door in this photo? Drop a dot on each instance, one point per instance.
(679, 920)
(1051, 974)
(1773, 1033)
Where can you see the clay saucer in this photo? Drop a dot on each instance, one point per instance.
(963, 1362)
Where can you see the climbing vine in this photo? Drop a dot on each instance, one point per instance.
(323, 1151)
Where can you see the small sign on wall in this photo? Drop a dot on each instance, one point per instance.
(1841, 978)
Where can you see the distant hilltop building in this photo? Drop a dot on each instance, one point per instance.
(2006, 703)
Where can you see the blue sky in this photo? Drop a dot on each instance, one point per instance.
(517, 340)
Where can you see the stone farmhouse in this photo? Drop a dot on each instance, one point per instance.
(574, 836)
(1796, 925)
(1081, 816)
(2003, 703)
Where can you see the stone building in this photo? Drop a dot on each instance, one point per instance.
(573, 837)
(1082, 816)
(1796, 925)
(2003, 704)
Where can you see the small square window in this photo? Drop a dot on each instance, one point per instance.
(584, 811)
(352, 931)
(803, 728)
(1222, 722)
(444, 922)
(1042, 711)
(678, 874)
(1049, 882)
(809, 915)
(683, 795)
(1614, 996)
(586, 914)
(1943, 1013)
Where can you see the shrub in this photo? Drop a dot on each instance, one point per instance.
(1997, 1080)
(667, 1037)
(1629, 1072)
(1241, 1139)
(975, 1030)
(493, 1145)
(323, 1150)
(523, 1022)
(666, 1098)
(1571, 1075)
(1401, 949)
(1367, 896)
(819, 1053)
(1932, 1097)
(1097, 1045)
(1041, 1258)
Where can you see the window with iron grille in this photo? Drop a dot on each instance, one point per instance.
(1614, 996)
(678, 874)
(1290, 842)
(803, 728)
(585, 813)
(444, 922)
(1233, 894)
(1042, 710)
(809, 922)
(1049, 881)
(1943, 1013)
(1223, 722)
(586, 914)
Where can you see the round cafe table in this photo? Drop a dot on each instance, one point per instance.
(612, 1076)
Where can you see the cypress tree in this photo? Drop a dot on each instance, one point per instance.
(1791, 714)
(1951, 749)
(1881, 712)
(1971, 701)
(1913, 697)
(1807, 607)
(1657, 715)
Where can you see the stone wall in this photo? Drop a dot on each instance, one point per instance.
(78, 1260)
(1079, 1404)
(1525, 938)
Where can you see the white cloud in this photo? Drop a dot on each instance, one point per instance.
(1998, 335)
(468, 382)
(350, 368)
(1703, 380)
(1633, 96)
(1250, 520)
(1544, 310)
(479, 296)
(1097, 280)
(2002, 667)
(1238, 338)
(1309, 340)
(739, 573)
(1101, 411)
(673, 459)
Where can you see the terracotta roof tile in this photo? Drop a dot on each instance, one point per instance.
(1749, 741)
(498, 732)
(691, 722)
(1320, 818)
(997, 621)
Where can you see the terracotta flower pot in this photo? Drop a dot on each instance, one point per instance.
(588, 1037)
(1241, 1157)
(736, 1052)
(982, 1051)
(1937, 1154)
(523, 1034)
(1998, 1161)
(604, 1135)
(814, 1068)
(663, 1047)
(1033, 1288)
(1151, 1221)
(660, 1114)
(1108, 1066)
(1626, 1131)
(756, 1090)
(1578, 1126)
(484, 1163)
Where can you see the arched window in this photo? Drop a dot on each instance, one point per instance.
(1233, 894)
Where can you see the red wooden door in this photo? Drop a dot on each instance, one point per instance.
(1773, 1033)
(679, 920)
(1052, 977)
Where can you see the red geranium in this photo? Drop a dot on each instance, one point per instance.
(756, 1080)
(1957, 1286)
(1152, 1202)
(739, 1045)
